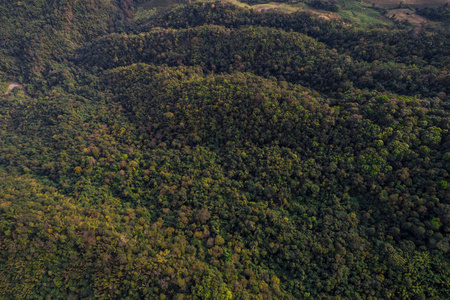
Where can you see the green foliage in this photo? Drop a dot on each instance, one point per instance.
(213, 152)
(35, 34)
(266, 52)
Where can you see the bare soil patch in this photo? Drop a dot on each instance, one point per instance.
(12, 86)
(407, 14)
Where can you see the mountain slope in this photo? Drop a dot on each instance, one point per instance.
(213, 152)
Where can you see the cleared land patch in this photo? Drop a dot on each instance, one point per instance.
(408, 15)
(366, 13)
(14, 85)
(288, 8)
(357, 13)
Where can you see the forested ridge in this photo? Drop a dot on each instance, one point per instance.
(216, 152)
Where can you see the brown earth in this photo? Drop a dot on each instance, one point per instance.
(407, 14)
(12, 86)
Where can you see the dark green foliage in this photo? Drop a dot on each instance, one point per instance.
(33, 32)
(218, 153)
(266, 52)
(330, 5)
(402, 45)
(441, 14)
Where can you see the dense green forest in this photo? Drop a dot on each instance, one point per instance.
(215, 151)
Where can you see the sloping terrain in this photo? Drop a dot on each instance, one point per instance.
(394, 3)
(211, 151)
(35, 34)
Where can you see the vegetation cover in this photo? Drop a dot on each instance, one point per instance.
(213, 151)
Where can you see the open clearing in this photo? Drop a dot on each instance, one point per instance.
(14, 85)
(288, 8)
(357, 12)
(407, 14)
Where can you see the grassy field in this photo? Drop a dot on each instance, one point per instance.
(288, 8)
(353, 12)
(357, 12)
(363, 13)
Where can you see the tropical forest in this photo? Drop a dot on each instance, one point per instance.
(224, 149)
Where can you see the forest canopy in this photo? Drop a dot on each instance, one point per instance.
(215, 151)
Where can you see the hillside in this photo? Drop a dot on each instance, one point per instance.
(212, 150)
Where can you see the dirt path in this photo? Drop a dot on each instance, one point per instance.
(14, 85)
